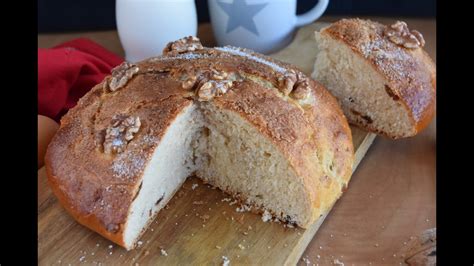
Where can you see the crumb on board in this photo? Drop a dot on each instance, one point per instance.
(266, 216)
(241, 246)
(225, 261)
(163, 252)
(338, 262)
(194, 186)
(243, 208)
(306, 260)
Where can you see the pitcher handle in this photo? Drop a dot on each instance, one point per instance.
(312, 14)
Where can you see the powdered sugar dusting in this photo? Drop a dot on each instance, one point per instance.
(185, 56)
(369, 47)
(131, 163)
(240, 52)
(378, 51)
(226, 49)
(128, 167)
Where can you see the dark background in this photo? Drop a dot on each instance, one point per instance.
(79, 15)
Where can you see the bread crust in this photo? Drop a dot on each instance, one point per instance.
(97, 189)
(409, 73)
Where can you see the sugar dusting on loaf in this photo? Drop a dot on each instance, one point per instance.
(240, 52)
(186, 56)
(127, 165)
(226, 49)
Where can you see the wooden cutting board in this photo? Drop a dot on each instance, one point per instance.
(199, 227)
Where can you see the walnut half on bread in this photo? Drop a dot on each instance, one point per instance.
(382, 77)
(257, 128)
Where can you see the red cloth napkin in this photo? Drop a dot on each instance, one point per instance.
(67, 71)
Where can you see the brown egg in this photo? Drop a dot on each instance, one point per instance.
(47, 127)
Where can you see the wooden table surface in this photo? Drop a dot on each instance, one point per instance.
(403, 169)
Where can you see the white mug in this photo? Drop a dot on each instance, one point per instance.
(146, 26)
(264, 26)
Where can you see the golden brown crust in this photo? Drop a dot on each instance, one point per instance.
(98, 188)
(410, 73)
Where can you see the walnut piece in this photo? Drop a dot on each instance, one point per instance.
(121, 75)
(218, 75)
(183, 45)
(187, 75)
(399, 34)
(208, 83)
(120, 133)
(294, 84)
(302, 90)
(206, 92)
(212, 88)
(287, 82)
(188, 82)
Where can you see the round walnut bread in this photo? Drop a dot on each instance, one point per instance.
(257, 128)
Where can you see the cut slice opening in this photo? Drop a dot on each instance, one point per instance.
(242, 160)
(225, 150)
(366, 99)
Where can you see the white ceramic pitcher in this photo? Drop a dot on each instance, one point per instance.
(146, 26)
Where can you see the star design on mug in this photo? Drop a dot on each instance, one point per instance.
(241, 15)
